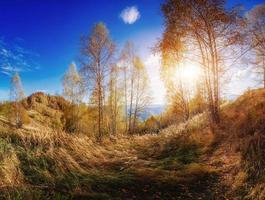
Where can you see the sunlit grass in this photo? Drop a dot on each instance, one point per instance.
(60, 165)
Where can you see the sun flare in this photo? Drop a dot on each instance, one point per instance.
(189, 72)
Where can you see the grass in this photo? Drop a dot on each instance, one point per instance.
(37, 164)
(245, 120)
(45, 164)
(54, 165)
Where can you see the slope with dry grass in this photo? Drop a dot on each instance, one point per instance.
(244, 120)
(185, 161)
(50, 164)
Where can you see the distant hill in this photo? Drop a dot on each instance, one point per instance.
(47, 110)
(43, 103)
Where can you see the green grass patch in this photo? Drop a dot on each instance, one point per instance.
(37, 168)
(6, 149)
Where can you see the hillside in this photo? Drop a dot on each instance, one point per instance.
(44, 111)
(184, 161)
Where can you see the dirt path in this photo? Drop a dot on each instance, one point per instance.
(226, 163)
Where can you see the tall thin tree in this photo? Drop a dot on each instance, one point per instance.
(142, 95)
(202, 30)
(73, 90)
(256, 24)
(16, 95)
(95, 55)
(127, 59)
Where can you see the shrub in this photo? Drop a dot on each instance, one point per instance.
(5, 108)
(71, 118)
(18, 115)
(152, 124)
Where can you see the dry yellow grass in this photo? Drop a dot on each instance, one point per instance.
(80, 154)
(9, 166)
(38, 156)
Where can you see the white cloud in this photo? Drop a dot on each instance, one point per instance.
(14, 58)
(130, 15)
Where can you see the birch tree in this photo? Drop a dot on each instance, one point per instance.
(205, 31)
(136, 90)
(114, 99)
(256, 23)
(16, 95)
(95, 55)
(127, 58)
(73, 90)
(142, 95)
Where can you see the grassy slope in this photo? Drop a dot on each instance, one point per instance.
(244, 120)
(182, 162)
(56, 165)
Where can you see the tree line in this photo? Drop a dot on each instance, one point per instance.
(114, 84)
(115, 88)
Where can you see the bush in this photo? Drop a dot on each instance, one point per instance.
(5, 108)
(71, 118)
(152, 124)
(18, 115)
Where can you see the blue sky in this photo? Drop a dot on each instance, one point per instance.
(46, 33)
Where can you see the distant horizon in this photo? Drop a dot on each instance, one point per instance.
(231, 97)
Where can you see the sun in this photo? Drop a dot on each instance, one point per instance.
(189, 72)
